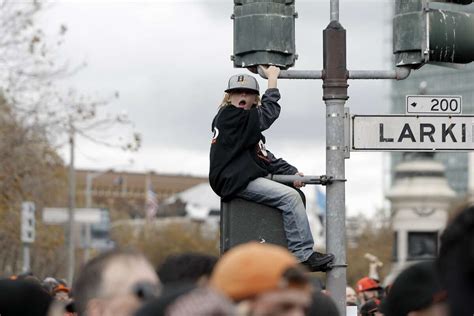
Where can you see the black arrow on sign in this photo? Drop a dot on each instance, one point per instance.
(414, 104)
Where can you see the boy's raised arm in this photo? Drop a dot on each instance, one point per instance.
(272, 73)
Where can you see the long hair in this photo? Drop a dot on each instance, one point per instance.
(226, 100)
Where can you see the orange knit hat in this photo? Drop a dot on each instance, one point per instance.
(250, 269)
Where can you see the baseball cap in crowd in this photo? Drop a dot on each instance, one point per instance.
(61, 288)
(367, 284)
(416, 288)
(245, 82)
(251, 269)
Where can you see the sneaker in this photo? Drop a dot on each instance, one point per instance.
(319, 262)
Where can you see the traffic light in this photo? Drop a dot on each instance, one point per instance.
(422, 34)
(264, 33)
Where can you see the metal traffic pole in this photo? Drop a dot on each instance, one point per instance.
(335, 96)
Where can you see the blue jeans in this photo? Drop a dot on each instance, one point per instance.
(288, 200)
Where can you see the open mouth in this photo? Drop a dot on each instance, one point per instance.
(242, 103)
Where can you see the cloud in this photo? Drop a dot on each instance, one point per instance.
(170, 61)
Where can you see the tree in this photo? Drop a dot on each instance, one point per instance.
(30, 170)
(375, 237)
(158, 241)
(37, 117)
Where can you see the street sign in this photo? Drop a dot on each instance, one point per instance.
(53, 215)
(28, 222)
(433, 104)
(412, 133)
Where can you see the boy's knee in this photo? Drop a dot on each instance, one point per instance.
(293, 196)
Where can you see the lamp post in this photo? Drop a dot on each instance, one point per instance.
(71, 207)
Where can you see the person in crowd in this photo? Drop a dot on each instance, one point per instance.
(367, 288)
(189, 267)
(115, 283)
(180, 299)
(416, 291)
(23, 298)
(49, 283)
(61, 293)
(456, 262)
(262, 279)
(322, 304)
(351, 296)
(159, 305)
(239, 161)
(370, 308)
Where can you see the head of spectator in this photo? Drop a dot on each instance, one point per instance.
(456, 262)
(371, 308)
(61, 293)
(49, 284)
(114, 283)
(187, 300)
(351, 297)
(322, 304)
(187, 267)
(416, 292)
(367, 288)
(28, 276)
(159, 305)
(23, 298)
(263, 279)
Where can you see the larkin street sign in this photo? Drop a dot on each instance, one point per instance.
(412, 133)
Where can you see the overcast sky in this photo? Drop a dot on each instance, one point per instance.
(170, 62)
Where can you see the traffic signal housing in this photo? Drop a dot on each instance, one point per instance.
(422, 34)
(264, 33)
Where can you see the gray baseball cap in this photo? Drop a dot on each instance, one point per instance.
(243, 82)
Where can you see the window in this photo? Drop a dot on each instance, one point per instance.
(422, 245)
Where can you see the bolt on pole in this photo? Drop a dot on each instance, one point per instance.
(335, 96)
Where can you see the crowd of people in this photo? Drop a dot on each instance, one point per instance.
(249, 279)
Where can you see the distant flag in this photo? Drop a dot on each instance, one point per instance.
(321, 201)
(151, 203)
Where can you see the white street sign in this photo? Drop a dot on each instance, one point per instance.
(52, 215)
(434, 104)
(412, 133)
(28, 222)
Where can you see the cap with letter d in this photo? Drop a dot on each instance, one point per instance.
(246, 82)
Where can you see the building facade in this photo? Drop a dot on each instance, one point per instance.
(124, 193)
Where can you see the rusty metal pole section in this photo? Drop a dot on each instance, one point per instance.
(335, 86)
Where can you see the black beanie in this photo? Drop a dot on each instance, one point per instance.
(416, 288)
(23, 298)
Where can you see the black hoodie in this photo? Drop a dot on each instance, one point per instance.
(238, 154)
